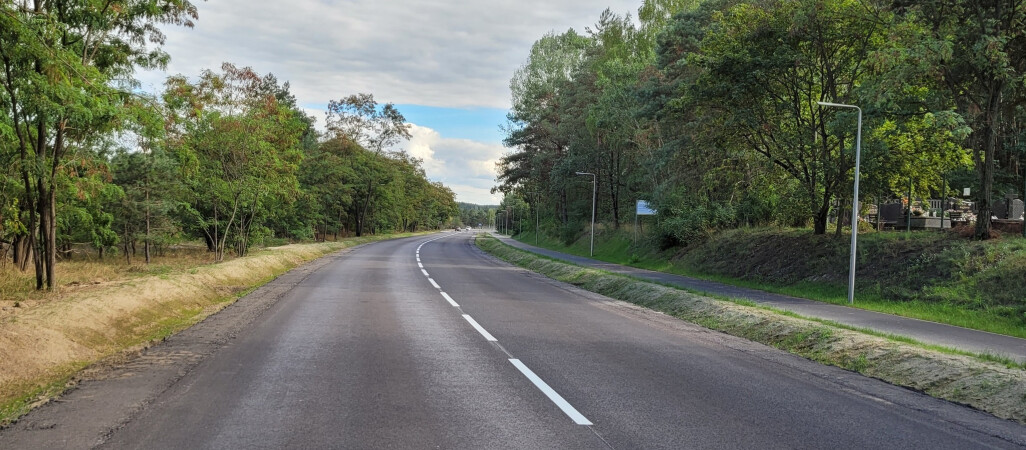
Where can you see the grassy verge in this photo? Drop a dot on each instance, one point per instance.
(991, 386)
(927, 276)
(50, 337)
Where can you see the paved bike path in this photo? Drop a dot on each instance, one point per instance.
(921, 330)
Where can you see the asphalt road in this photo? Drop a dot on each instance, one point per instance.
(429, 343)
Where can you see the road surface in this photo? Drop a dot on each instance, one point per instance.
(429, 343)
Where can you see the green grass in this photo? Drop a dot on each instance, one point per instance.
(959, 297)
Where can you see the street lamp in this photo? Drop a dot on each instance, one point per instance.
(854, 200)
(594, 190)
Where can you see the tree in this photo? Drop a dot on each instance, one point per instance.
(537, 126)
(976, 52)
(238, 148)
(358, 118)
(60, 59)
(765, 67)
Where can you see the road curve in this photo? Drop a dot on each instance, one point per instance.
(429, 343)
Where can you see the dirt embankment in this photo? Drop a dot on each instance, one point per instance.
(984, 385)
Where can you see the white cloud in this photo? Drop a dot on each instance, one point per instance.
(448, 54)
(467, 167)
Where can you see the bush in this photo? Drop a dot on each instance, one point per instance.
(694, 223)
(755, 210)
(569, 233)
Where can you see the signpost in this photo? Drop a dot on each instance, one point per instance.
(642, 209)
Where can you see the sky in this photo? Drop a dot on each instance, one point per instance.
(446, 65)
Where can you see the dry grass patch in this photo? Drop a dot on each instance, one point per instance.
(985, 385)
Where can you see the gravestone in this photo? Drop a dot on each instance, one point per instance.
(893, 212)
(1000, 209)
(1016, 210)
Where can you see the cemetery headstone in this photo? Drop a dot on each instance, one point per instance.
(1016, 210)
(1000, 209)
(893, 212)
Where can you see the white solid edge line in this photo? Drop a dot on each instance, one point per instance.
(434, 284)
(488, 336)
(450, 300)
(425, 273)
(568, 409)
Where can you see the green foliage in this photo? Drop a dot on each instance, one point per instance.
(972, 55)
(64, 66)
(239, 148)
(228, 157)
(709, 110)
(476, 215)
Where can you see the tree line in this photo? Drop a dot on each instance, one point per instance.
(709, 109)
(226, 157)
(473, 215)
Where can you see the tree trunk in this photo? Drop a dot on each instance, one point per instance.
(146, 243)
(217, 242)
(128, 255)
(48, 231)
(209, 240)
(563, 212)
(819, 219)
(983, 206)
(22, 247)
(362, 216)
(841, 214)
(338, 223)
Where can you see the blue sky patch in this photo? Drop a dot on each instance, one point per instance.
(476, 124)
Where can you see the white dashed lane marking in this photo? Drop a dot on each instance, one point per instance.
(554, 396)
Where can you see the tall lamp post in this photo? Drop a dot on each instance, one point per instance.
(854, 199)
(594, 190)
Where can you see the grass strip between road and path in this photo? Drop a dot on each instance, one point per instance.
(43, 347)
(995, 386)
(950, 306)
